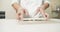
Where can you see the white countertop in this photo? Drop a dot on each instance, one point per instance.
(50, 21)
(12, 25)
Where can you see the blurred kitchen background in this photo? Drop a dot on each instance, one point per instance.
(53, 10)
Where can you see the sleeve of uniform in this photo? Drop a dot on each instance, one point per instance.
(46, 1)
(14, 1)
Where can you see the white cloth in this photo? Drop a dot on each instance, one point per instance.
(31, 6)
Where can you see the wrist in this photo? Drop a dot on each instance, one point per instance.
(19, 10)
(42, 11)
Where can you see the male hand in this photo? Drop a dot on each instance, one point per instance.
(19, 14)
(46, 16)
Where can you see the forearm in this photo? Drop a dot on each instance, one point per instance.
(43, 8)
(16, 6)
(42, 11)
(18, 10)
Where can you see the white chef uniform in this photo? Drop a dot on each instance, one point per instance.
(31, 6)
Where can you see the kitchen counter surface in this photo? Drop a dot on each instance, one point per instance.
(12, 25)
(50, 21)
